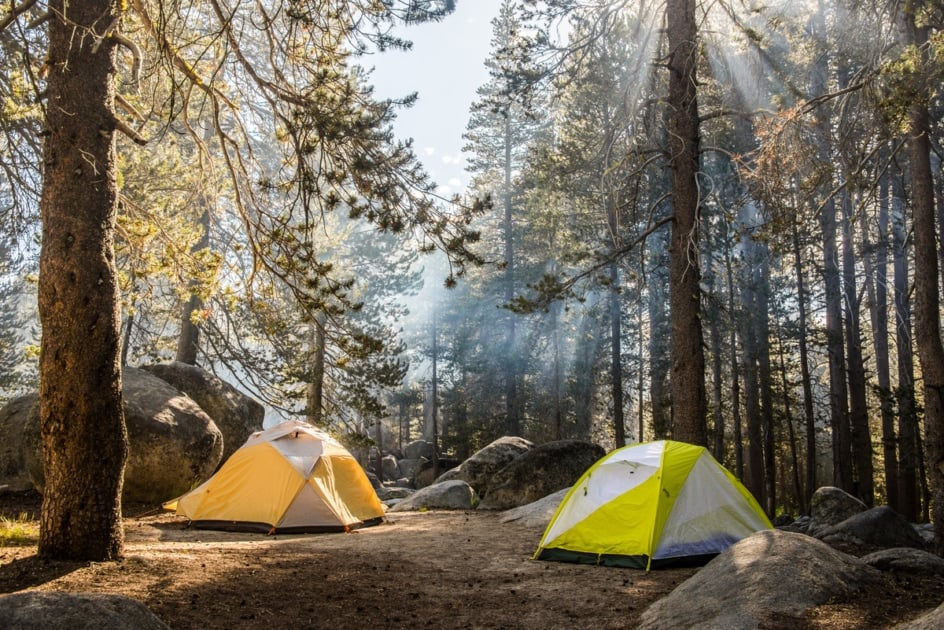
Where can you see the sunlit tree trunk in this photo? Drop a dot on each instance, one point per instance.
(736, 420)
(512, 404)
(85, 442)
(876, 274)
(688, 358)
(659, 331)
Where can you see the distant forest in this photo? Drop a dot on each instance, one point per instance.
(717, 222)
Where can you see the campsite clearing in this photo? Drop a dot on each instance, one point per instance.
(418, 570)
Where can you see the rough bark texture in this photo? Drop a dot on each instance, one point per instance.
(82, 423)
(927, 299)
(688, 359)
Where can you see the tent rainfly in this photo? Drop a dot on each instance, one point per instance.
(649, 505)
(289, 478)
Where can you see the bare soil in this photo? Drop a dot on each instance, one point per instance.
(433, 569)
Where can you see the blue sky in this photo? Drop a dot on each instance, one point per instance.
(445, 67)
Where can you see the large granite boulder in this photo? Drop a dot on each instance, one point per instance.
(767, 580)
(42, 610)
(538, 472)
(479, 469)
(877, 527)
(236, 415)
(831, 506)
(173, 444)
(14, 474)
(906, 560)
(418, 449)
(933, 620)
(449, 495)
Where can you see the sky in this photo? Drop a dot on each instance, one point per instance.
(445, 67)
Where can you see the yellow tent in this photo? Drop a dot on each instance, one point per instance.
(651, 504)
(290, 478)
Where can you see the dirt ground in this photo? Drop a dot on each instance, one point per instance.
(418, 570)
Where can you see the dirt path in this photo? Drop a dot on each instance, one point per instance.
(418, 570)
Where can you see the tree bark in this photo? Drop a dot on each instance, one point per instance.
(927, 298)
(85, 443)
(808, 412)
(512, 404)
(688, 359)
(188, 342)
(858, 408)
(908, 453)
(314, 393)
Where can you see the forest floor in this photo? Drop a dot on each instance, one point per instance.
(433, 569)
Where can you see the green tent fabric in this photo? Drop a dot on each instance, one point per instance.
(651, 504)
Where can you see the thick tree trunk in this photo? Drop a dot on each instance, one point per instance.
(752, 407)
(908, 453)
(927, 298)
(616, 358)
(735, 370)
(85, 443)
(688, 358)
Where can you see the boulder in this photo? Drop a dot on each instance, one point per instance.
(538, 472)
(409, 466)
(878, 527)
(41, 610)
(418, 449)
(449, 495)
(424, 474)
(14, 474)
(390, 468)
(537, 514)
(907, 560)
(767, 580)
(236, 415)
(479, 469)
(389, 493)
(933, 620)
(831, 506)
(173, 444)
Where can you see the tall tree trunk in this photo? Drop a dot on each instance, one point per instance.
(659, 394)
(858, 408)
(788, 421)
(876, 274)
(808, 412)
(735, 371)
(616, 357)
(927, 297)
(314, 394)
(688, 359)
(85, 443)
(512, 404)
(755, 423)
(838, 390)
(188, 342)
(908, 453)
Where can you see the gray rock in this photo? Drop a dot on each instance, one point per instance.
(878, 527)
(479, 469)
(409, 466)
(390, 468)
(831, 506)
(424, 475)
(767, 580)
(40, 610)
(540, 471)
(236, 415)
(933, 620)
(449, 495)
(417, 449)
(386, 493)
(173, 444)
(14, 474)
(905, 559)
(537, 514)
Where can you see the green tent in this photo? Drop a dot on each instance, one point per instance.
(649, 505)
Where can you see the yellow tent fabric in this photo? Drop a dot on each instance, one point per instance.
(289, 478)
(651, 504)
